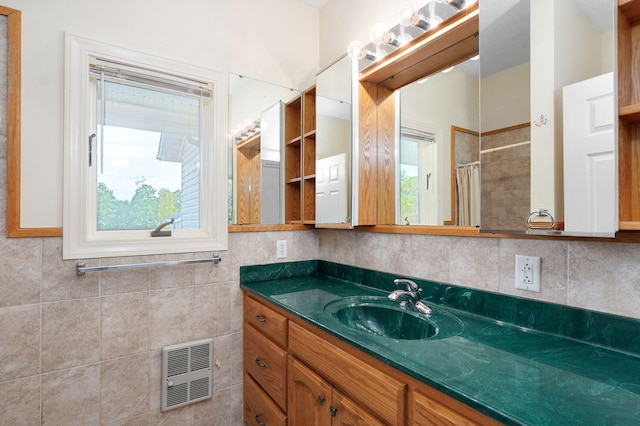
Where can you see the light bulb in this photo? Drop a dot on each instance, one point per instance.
(406, 10)
(367, 54)
(391, 39)
(420, 21)
(354, 49)
(447, 70)
(458, 4)
(376, 32)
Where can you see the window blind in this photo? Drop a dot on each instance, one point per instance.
(139, 77)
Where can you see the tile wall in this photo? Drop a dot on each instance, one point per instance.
(86, 351)
(600, 276)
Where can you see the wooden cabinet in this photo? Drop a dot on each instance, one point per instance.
(314, 402)
(297, 375)
(265, 364)
(429, 407)
(300, 159)
(309, 396)
(629, 114)
(382, 394)
(258, 407)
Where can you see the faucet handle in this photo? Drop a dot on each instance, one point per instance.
(411, 285)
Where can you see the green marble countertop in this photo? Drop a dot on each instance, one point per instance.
(514, 374)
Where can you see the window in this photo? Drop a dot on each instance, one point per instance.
(144, 146)
(417, 164)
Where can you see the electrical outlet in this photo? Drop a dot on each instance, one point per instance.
(281, 249)
(528, 273)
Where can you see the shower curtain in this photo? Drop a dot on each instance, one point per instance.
(468, 180)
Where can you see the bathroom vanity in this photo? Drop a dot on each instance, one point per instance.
(305, 364)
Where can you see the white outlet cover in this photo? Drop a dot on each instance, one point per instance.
(528, 273)
(281, 249)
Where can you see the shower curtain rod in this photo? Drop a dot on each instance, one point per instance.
(500, 148)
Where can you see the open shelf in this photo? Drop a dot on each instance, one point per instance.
(629, 114)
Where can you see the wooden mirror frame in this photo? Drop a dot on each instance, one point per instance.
(14, 69)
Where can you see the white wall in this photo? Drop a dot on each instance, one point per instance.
(275, 40)
(342, 21)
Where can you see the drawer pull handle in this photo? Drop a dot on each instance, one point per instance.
(261, 318)
(260, 363)
(321, 400)
(260, 422)
(334, 411)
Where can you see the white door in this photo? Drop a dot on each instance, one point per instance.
(590, 191)
(331, 194)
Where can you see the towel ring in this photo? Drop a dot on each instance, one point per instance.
(539, 213)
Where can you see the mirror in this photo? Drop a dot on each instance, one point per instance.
(256, 123)
(438, 149)
(531, 71)
(334, 130)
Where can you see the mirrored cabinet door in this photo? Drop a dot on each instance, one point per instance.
(333, 145)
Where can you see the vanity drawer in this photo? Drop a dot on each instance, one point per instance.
(266, 362)
(379, 392)
(258, 407)
(428, 406)
(265, 319)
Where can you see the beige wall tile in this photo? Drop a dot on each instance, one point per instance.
(235, 405)
(223, 351)
(553, 268)
(20, 401)
(124, 324)
(170, 320)
(124, 281)
(428, 257)
(209, 273)
(134, 421)
(177, 417)
(59, 276)
(338, 246)
(604, 277)
(382, 252)
(21, 266)
(473, 262)
(70, 334)
(124, 387)
(20, 337)
(206, 316)
(173, 276)
(214, 412)
(71, 397)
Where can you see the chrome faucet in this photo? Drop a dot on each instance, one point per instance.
(410, 298)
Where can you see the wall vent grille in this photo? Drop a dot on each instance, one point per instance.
(186, 373)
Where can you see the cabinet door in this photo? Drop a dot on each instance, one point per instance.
(309, 397)
(347, 413)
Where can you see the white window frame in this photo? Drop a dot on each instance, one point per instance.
(80, 238)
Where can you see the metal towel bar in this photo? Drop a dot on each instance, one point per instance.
(81, 267)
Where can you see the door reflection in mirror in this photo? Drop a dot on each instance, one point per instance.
(333, 143)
